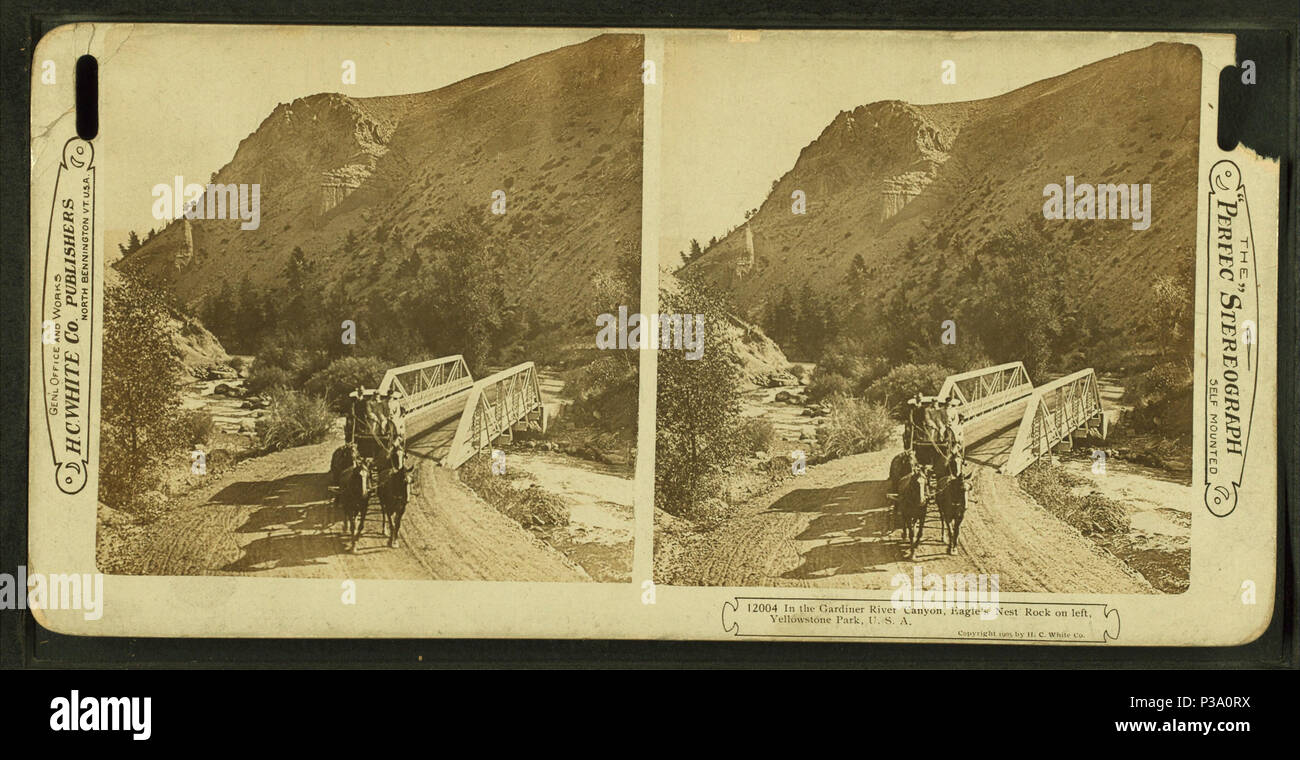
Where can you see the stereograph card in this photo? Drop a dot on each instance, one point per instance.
(650, 334)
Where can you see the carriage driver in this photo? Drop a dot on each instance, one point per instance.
(355, 412)
(913, 420)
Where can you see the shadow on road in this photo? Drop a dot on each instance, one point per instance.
(297, 512)
(854, 528)
(288, 490)
(288, 550)
(859, 496)
(847, 556)
(855, 523)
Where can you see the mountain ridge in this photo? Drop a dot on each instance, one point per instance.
(902, 185)
(352, 180)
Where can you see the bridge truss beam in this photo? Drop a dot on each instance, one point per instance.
(985, 390)
(1052, 413)
(433, 391)
(494, 405)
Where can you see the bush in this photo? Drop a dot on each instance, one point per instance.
(826, 385)
(1158, 383)
(1162, 401)
(606, 374)
(293, 419)
(343, 376)
(196, 426)
(755, 434)
(531, 506)
(1053, 489)
(284, 349)
(710, 512)
(220, 461)
(798, 371)
(854, 426)
(237, 363)
(263, 378)
(905, 381)
(843, 371)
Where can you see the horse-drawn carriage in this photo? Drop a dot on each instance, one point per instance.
(930, 470)
(371, 462)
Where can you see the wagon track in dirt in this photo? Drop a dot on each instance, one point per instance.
(273, 516)
(829, 528)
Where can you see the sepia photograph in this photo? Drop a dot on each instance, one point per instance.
(654, 334)
(949, 308)
(346, 330)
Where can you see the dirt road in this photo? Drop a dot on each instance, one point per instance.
(272, 516)
(829, 527)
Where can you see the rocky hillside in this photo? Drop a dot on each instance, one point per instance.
(198, 349)
(347, 179)
(761, 360)
(950, 177)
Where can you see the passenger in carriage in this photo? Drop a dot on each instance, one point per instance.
(395, 414)
(374, 413)
(954, 422)
(935, 424)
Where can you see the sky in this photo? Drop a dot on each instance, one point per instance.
(177, 100)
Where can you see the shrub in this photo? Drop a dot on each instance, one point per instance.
(854, 426)
(826, 385)
(905, 381)
(843, 371)
(1053, 489)
(267, 377)
(1157, 383)
(196, 426)
(755, 434)
(221, 461)
(1162, 401)
(342, 377)
(531, 506)
(237, 363)
(798, 371)
(606, 374)
(284, 349)
(293, 419)
(710, 512)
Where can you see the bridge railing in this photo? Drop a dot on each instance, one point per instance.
(984, 390)
(432, 391)
(1053, 412)
(494, 404)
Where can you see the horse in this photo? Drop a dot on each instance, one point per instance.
(354, 499)
(342, 460)
(910, 508)
(394, 492)
(951, 499)
(902, 465)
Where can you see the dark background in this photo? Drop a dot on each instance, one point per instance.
(1263, 116)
